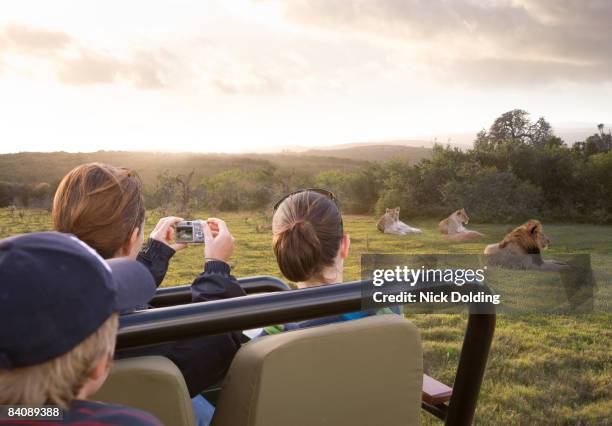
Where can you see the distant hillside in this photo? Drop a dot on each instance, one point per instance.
(374, 152)
(34, 167)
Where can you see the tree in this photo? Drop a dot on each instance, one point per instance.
(595, 144)
(41, 195)
(183, 182)
(6, 197)
(224, 190)
(165, 191)
(514, 127)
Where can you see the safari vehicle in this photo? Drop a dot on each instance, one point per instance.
(367, 371)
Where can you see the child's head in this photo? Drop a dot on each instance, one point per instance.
(309, 239)
(73, 375)
(103, 206)
(59, 301)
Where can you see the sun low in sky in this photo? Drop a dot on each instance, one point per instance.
(238, 75)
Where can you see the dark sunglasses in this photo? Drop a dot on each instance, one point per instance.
(325, 192)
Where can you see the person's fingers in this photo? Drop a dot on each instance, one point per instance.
(170, 233)
(208, 235)
(165, 232)
(214, 229)
(213, 225)
(170, 221)
(220, 224)
(158, 225)
(166, 226)
(161, 225)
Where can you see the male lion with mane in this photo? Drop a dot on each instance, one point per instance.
(521, 248)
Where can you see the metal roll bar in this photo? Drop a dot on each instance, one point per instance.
(198, 319)
(181, 294)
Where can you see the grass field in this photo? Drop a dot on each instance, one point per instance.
(542, 369)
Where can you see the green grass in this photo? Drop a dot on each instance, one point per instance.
(542, 369)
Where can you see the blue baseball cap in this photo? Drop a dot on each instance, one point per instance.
(55, 291)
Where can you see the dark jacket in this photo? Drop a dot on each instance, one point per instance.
(204, 361)
(156, 256)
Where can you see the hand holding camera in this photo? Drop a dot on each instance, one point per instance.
(165, 232)
(219, 241)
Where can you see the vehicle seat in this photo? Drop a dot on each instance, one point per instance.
(150, 383)
(362, 372)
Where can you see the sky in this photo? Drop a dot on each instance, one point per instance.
(255, 75)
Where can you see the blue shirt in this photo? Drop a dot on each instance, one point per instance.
(274, 329)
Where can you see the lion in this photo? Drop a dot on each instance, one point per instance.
(389, 223)
(522, 247)
(452, 227)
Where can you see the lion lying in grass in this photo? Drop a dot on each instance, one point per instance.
(521, 249)
(452, 227)
(389, 223)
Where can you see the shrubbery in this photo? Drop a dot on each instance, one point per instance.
(494, 196)
(516, 170)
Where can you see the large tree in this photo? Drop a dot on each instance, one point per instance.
(515, 127)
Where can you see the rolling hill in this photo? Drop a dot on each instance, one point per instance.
(374, 152)
(34, 167)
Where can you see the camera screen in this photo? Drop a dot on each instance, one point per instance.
(184, 233)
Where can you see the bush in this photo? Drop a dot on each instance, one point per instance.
(494, 197)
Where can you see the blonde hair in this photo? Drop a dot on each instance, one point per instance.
(59, 380)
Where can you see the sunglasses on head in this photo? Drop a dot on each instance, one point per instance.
(321, 191)
(325, 192)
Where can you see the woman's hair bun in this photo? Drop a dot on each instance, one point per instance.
(307, 229)
(298, 250)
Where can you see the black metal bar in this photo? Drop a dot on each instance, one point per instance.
(181, 294)
(437, 410)
(471, 368)
(262, 284)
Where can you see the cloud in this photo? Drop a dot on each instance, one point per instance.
(497, 40)
(78, 64)
(143, 70)
(194, 61)
(89, 68)
(254, 83)
(493, 73)
(34, 40)
(343, 46)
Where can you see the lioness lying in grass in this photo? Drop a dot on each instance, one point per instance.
(452, 227)
(389, 223)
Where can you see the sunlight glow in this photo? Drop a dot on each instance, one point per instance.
(249, 75)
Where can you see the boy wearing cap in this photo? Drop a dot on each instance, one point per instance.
(59, 301)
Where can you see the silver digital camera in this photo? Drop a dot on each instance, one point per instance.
(190, 231)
